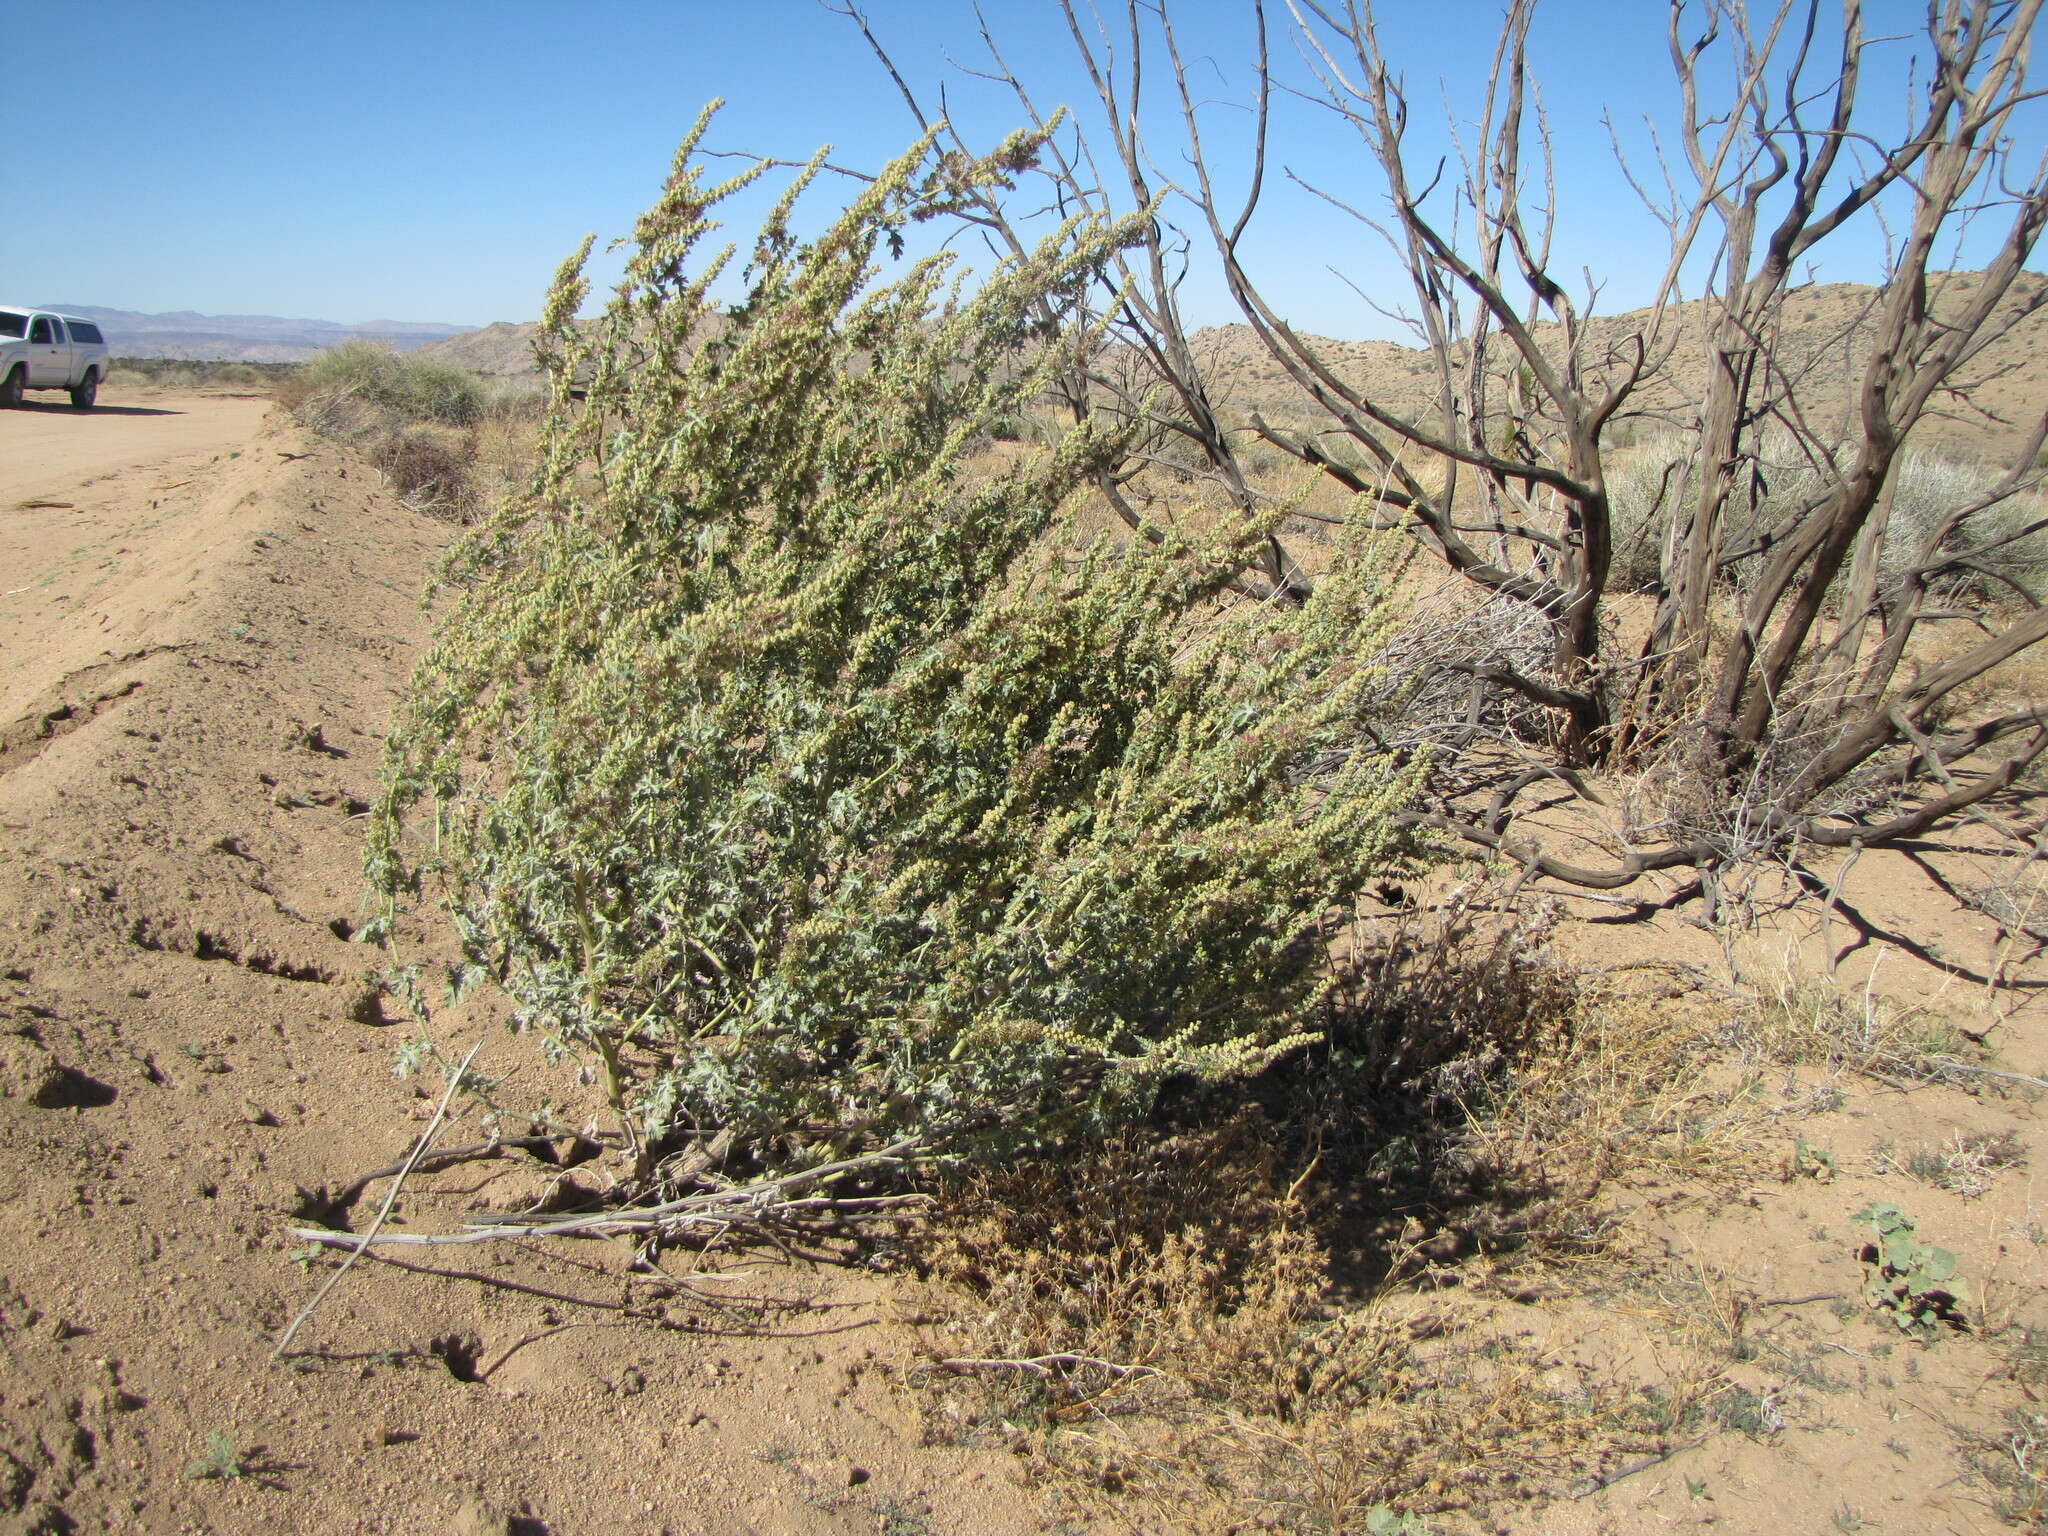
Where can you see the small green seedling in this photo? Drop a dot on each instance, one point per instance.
(1385, 1520)
(1906, 1281)
(1812, 1162)
(221, 1460)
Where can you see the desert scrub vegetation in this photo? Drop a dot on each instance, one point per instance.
(819, 787)
(2001, 538)
(1268, 1308)
(1758, 655)
(372, 374)
(182, 373)
(446, 441)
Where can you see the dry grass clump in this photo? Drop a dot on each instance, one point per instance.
(1816, 1022)
(1161, 1322)
(1963, 1164)
(1245, 1320)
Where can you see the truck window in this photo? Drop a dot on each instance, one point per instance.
(85, 331)
(12, 324)
(39, 329)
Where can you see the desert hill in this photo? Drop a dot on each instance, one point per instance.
(1824, 344)
(496, 350)
(1826, 338)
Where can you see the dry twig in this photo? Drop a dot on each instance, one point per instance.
(768, 1206)
(383, 1211)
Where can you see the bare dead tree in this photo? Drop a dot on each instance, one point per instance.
(1777, 684)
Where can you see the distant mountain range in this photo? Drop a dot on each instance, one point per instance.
(244, 338)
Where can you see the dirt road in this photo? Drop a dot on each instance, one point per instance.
(97, 535)
(46, 447)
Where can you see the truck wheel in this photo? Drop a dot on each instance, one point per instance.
(88, 390)
(10, 391)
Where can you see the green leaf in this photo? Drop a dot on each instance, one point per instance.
(1884, 1218)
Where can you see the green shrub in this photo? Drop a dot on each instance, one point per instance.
(369, 374)
(416, 419)
(798, 770)
(2009, 530)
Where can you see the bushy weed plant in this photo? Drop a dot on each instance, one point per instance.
(804, 774)
(371, 374)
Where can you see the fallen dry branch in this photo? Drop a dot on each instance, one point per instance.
(447, 1157)
(412, 1161)
(1048, 1365)
(766, 1206)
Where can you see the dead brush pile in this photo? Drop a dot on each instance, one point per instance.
(1283, 1312)
(1319, 1304)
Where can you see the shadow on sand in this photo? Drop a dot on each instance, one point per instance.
(54, 408)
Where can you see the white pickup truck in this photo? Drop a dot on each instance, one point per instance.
(43, 350)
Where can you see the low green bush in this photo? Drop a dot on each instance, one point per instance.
(805, 774)
(418, 420)
(370, 374)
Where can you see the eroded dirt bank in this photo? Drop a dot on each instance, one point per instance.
(204, 635)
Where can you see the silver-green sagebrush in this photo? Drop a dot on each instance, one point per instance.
(788, 754)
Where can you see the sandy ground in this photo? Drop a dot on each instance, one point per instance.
(207, 616)
(206, 621)
(46, 447)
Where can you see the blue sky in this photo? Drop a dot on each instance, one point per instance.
(433, 160)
